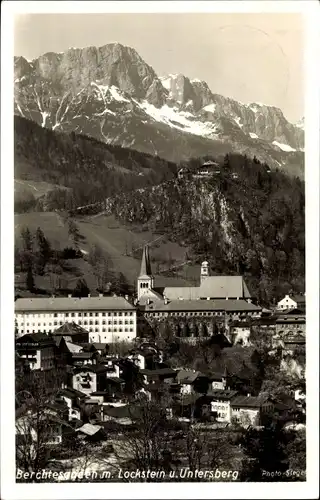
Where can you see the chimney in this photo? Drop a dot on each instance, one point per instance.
(248, 395)
(208, 298)
(126, 297)
(227, 298)
(166, 300)
(100, 295)
(89, 295)
(69, 295)
(148, 301)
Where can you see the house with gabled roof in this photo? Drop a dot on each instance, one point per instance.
(294, 301)
(249, 410)
(38, 350)
(89, 378)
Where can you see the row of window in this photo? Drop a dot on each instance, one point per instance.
(80, 314)
(186, 313)
(104, 322)
(96, 330)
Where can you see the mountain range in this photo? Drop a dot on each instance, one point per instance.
(111, 94)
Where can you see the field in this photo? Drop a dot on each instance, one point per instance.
(26, 188)
(116, 240)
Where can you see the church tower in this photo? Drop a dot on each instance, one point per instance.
(204, 271)
(145, 279)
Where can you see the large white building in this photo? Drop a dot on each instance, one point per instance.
(107, 319)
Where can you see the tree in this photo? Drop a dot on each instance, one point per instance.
(27, 239)
(73, 231)
(81, 289)
(206, 450)
(26, 255)
(30, 280)
(99, 262)
(44, 250)
(147, 447)
(266, 452)
(34, 426)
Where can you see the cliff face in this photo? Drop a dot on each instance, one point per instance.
(112, 94)
(243, 226)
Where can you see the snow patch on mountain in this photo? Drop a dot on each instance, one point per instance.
(116, 94)
(44, 115)
(283, 147)
(210, 107)
(237, 120)
(182, 120)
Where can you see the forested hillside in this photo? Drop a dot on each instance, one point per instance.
(252, 225)
(91, 169)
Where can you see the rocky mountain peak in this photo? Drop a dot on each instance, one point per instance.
(111, 93)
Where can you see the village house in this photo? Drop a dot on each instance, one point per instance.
(159, 375)
(207, 169)
(290, 329)
(84, 358)
(91, 432)
(89, 378)
(292, 302)
(74, 400)
(192, 382)
(71, 332)
(248, 410)
(239, 332)
(53, 428)
(107, 319)
(218, 380)
(38, 350)
(220, 400)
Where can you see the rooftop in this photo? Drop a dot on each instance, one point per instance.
(215, 287)
(204, 305)
(89, 429)
(221, 394)
(91, 368)
(69, 392)
(187, 376)
(248, 401)
(70, 328)
(35, 339)
(72, 304)
(100, 345)
(158, 372)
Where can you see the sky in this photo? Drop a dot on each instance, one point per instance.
(255, 57)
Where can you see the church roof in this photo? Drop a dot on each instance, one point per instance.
(145, 269)
(224, 286)
(215, 287)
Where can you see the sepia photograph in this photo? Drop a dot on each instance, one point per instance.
(160, 291)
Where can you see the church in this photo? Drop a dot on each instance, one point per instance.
(214, 296)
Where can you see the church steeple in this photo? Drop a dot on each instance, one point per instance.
(145, 279)
(145, 269)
